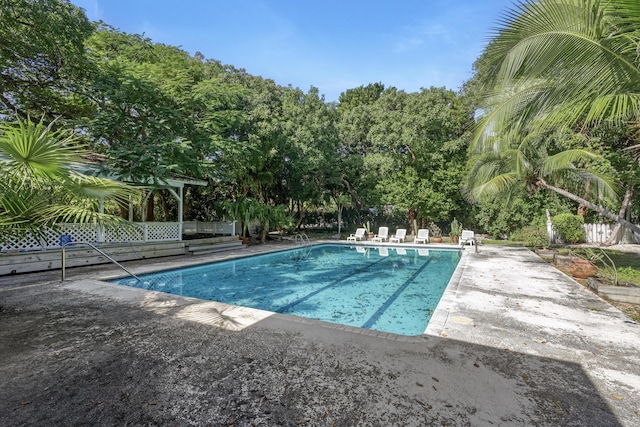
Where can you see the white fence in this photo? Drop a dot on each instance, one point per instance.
(218, 227)
(594, 233)
(141, 232)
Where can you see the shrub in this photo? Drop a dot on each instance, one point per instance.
(569, 227)
(533, 237)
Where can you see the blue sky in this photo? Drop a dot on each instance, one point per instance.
(332, 45)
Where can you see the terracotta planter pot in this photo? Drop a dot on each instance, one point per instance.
(437, 240)
(455, 239)
(245, 240)
(581, 268)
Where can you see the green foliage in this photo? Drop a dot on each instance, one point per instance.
(42, 59)
(244, 209)
(629, 274)
(270, 217)
(551, 65)
(533, 237)
(41, 182)
(154, 111)
(569, 227)
(413, 149)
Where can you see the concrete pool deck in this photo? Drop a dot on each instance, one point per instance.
(515, 342)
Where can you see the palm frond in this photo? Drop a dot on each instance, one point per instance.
(586, 51)
(33, 151)
(91, 187)
(564, 160)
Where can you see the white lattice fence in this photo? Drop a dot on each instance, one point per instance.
(162, 231)
(133, 234)
(26, 243)
(140, 232)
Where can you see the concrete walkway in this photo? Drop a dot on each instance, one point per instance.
(513, 342)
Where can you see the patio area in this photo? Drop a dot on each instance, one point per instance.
(513, 342)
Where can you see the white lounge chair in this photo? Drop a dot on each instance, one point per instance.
(359, 235)
(383, 235)
(422, 237)
(469, 237)
(400, 236)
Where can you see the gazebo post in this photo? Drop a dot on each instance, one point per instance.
(179, 198)
(99, 231)
(180, 210)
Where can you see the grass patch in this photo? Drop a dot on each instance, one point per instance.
(628, 274)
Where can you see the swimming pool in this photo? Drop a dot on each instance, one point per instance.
(381, 288)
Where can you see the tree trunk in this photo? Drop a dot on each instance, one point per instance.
(355, 199)
(164, 214)
(300, 209)
(412, 216)
(149, 214)
(617, 218)
(626, 204)
(265, 231)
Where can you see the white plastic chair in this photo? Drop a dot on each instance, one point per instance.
(359, 235)
(383, 235)
(469, 237)
(400, 236)
(422, 237)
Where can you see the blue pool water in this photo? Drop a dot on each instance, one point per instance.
(386, 289)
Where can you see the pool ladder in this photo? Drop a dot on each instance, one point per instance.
(304, 239)
(97, 250)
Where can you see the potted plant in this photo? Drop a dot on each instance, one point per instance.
(583, 267)
(456, 231)
(367, 229)
(435, 232)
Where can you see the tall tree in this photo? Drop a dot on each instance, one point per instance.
(42, 59)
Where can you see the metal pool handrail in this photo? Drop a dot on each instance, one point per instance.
(97, 250)
(302, 237)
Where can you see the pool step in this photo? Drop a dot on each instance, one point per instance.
(217, 247)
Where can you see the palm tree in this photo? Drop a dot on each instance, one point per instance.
(41, 182)
(553, 63)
